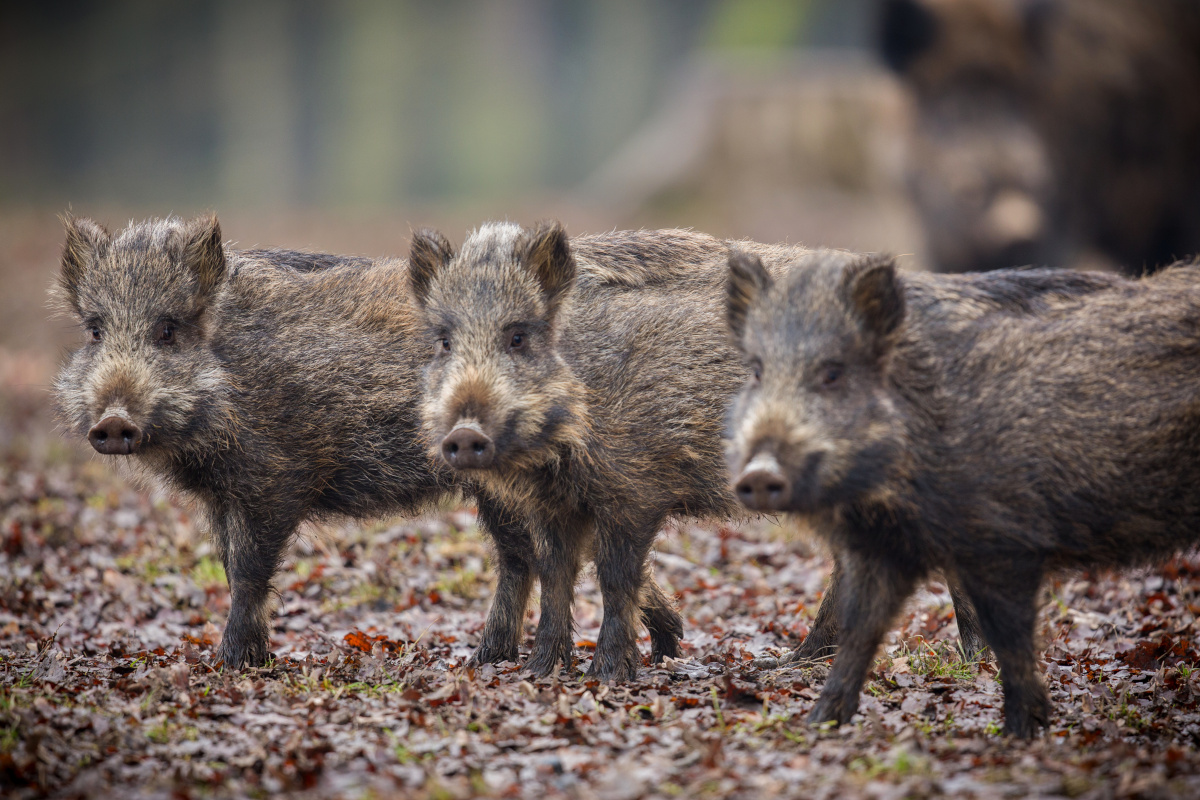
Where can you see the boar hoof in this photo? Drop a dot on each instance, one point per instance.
(832, 709)
(1026, 721)
(236, 657)
(619, 670)
(544, 659)
(488, 653)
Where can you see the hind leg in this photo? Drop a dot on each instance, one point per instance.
(970, 635)
(1007, 607)
(822, 639)
(661, 619)
(622, 551)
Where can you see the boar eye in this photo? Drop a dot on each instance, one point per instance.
(517, 342)
(95, 333)
(756, 372)
(444, 344)
(831, 375)
(166, 333)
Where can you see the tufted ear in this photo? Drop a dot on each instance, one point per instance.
(86, 241)
(428, 253)
(204, 254)
(873, 294)
(748, 280)
(546, 250)
(907, 29)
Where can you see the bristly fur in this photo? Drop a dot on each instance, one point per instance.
(1014, 423)
(289, 392)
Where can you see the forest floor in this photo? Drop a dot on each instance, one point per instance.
(111, 603)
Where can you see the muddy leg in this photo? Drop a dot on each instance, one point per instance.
(1007, 609)
(621, 562)
(557, 567)
(661, 619)
(505, 624)
(822, 639)
(251, 553)
(970, 635)
(871, 595)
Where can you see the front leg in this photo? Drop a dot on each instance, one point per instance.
(558, 558)
(1006, 601)
(251, 553)
(622, 552)
(872, 593)
(503, 630)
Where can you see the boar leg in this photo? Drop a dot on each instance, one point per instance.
(872, 593)
(251, 553)
(661, 619)
(1007, 608)
(970, 635)
(822, 639)
(505, 624)
(558, 560)
(622, 552)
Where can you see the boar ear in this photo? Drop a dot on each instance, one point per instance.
(1038, 18)
(86, 241)
(428, 253)
(748, 280)
(547, 250)
(907, 29)
(873, 293)
(204, 254)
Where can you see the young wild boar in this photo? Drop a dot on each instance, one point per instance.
(584, 383)
(1062, 430)
(274, 387)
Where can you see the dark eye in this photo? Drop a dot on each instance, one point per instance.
(95, 332)
(166, 333)
(517, 342)
(756, 372)
(831, 375)
(444, 344)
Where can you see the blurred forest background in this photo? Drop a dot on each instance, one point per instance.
(366, 104)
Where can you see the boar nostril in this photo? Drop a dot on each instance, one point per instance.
(115, 435)
(468, 447)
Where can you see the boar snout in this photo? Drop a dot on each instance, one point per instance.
(762, 486)
(468, 447)
(115, 436)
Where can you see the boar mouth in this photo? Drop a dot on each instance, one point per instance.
(116, 435)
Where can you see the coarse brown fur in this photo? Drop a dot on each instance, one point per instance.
(606, 417)
(1062, 430)
(1052, 130)
(274, 387)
